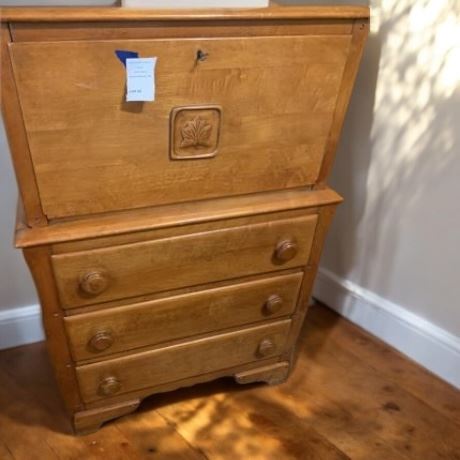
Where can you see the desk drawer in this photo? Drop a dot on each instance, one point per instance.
(262, 109)
(130, 270)
(119, 329)
(151, 368)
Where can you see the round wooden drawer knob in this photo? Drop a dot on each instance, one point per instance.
(101, 341)
(273, 304)
(109, 386)
(286, 250)
(266, 348)
(94, 282)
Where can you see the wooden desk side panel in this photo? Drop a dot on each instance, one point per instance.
(17, 137)
(38, 260)
(324, 220)
(360, 33)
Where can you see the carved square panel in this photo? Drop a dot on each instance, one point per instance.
(195, 132)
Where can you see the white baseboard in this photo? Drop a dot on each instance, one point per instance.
(20, 326)
(432, 347)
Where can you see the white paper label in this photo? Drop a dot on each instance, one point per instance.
(140, 79)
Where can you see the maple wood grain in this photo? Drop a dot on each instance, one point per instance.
(186, 260)
(130, 14)
(197, 357)
(150, 323)
(174, 242)
(276, 98)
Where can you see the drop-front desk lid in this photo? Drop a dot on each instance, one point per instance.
(246, 102)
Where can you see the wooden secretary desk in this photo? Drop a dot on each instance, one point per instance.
(174, 241)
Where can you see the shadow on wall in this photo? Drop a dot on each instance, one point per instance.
(398, 144)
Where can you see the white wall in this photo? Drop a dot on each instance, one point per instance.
(398, 166)
(390, 262)
(15, 282)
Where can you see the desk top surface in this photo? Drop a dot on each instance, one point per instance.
(109, 14)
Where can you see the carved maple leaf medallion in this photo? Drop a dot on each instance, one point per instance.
(196, 133)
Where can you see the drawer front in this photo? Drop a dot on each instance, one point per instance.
(149, 323)
(272, 103)
(131, 270)
(151, 368)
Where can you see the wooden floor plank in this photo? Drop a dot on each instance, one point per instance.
(153, 436)
(395, 366)
(240, 425)
(23, 423)
(106, 444)
(350, 396)
(196, 409)
(5, 453)
(405, 422)
(352, 431)
(29, 368)
(34, 402)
